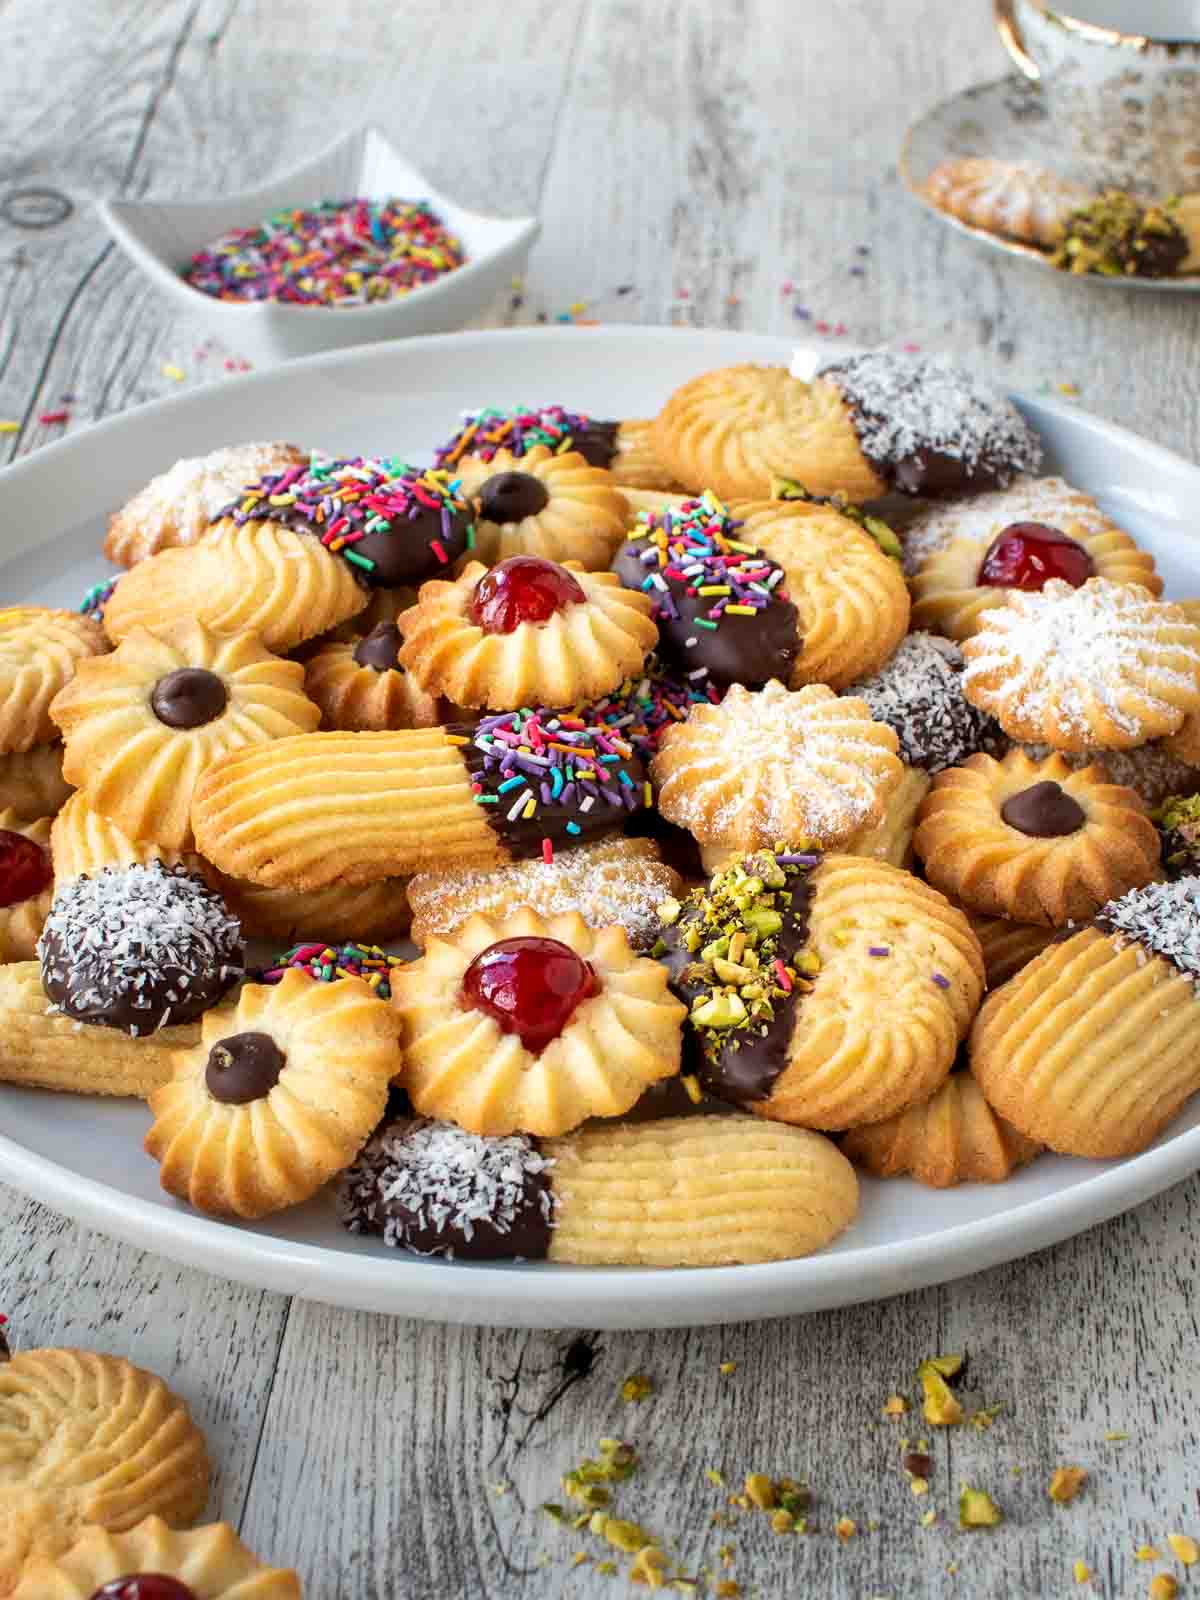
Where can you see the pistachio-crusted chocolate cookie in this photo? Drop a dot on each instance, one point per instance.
(1178, 822)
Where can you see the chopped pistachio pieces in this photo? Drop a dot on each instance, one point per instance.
(977, 1509)
(1187, 1550)
(727, 1589)
(1065, 1484)
(760, 1491)
(948, 1366)
(942, 1407)
(1147, 1552)
(636, 1387)
(727, 1368)
(782, 1522)
(789, 489)
(928, 1518)
(714, 1477)
(845, 1528)
(649, 1567)
(983, 1419)
(895, 1405)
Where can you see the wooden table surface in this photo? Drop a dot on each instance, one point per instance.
(698, 155)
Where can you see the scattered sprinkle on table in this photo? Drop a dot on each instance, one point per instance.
(336, 253)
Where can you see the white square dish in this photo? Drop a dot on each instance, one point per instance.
(161, 236)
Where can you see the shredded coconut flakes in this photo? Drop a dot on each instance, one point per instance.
(1164, 918)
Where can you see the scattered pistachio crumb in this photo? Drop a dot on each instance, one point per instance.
(929, 1518)
(760, 1490)
(1147, 1552)
(1016, 1471)
(845, 1528)
(1065, 1484)
(1114, 1436)
(606, 1569)
(985, 1416)
(895, 1405)
(626, 1536)
(727, 1368)
(500, 1488)
(648, 1567)
(685, 1586)
(1187, 1550)
(942, 1408)
(726, 1555)
(1164, 1587)
(727, 1589)
(636, 1387)
(714, 1477)
(919, 1486)
(977, 1509)
(782, 1522)
(1082, 1571)
(554, 1511)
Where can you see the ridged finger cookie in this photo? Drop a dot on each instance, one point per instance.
(211, 1562)
(88, 1438)
(40, 652)
(953, 1137)
(32, 783)
(254, 578)
(542, 504)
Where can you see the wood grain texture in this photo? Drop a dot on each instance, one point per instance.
(696, 154)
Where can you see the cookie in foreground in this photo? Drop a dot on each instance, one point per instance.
(683, 1191)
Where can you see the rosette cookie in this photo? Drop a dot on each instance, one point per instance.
(1016, 199)
(1150, 770)
(177, 507)
(937, 524)
(519, 784)
(824, 991)
(360, 685)
(696, 1191)
(1033, 840)
(776, 766)
(279, 1095)
(82, 841)
(954, 1137)
(26, 885)
(1098, 667)
(89, 1439)
(527, 632)
(40, 652)
(140, 725)
(151, 1562)
(542, 504)
(1095, 1045)
(32, 783)
(623, 448)
(533, 1025)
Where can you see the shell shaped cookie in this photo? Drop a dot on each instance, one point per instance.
(278, 1096)
(371, 911)
(735, 430)
(360, 685)
(82, 841)
(949, 598)
(459, 1064)
(142, 724)
(26, 885)
(1017, 199)
(211, 1561)
(31, 782)
(88, 1438)
(776, 766)
(1104, 666)
(1034, 841)
(539, 504)
(460, 640)
(696, 1192)
(177, 507)
(256, 577)
(852, 600)
(1094, 1046)
(953, 1137)
(614, 882)
(40, 652)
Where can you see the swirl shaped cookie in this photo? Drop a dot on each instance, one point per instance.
(1095, 1045)
(953, 1137)
(776, 765)
(140, 725)
(527, 632)
(211, 1562)
(823, 991)
(40, 652)
(256, 577)
(32, 783)
(89, 1438)
(279, 1095)
(614, 882)
(1104, 666)
(1034, 841)
(360, 686)
(26, 885)
(41, 1048)
(82, 841)
(533, 1024)
(1017, 199)
(177, 507)
(956, 585)
(538, 504)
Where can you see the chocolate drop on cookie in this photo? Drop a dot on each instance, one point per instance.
(243, 1067)
(379, 648)
(1043, 811)
(145, 1586)
(189, 698)
(511, 497)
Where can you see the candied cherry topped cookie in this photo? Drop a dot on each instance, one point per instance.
(533, 1024)
(26, 884)
(544, 503)
(528, 631)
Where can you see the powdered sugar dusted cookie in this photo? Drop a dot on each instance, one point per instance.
(1016, 199)
(981, 517)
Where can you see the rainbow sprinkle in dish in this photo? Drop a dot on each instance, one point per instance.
(337, 253)
(326, 963)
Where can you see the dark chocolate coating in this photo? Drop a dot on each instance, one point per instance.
(745, 1065)
(379, 648)
(243, 1067)
(403, 552)
(746, 650)
(512, 496)
(933, 473)
(527, 1236)
(189, 698)
(677, 847)
(1043, 811)
(596, 442)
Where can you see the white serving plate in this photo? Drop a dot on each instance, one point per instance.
(161, 236)
(83, 1156)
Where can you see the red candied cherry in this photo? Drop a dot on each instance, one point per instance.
(1026, 554)
(25, 868)
(530, 986)
(522, 589)
(145, 1586)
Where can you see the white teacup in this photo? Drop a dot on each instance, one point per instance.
(1126, 103)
